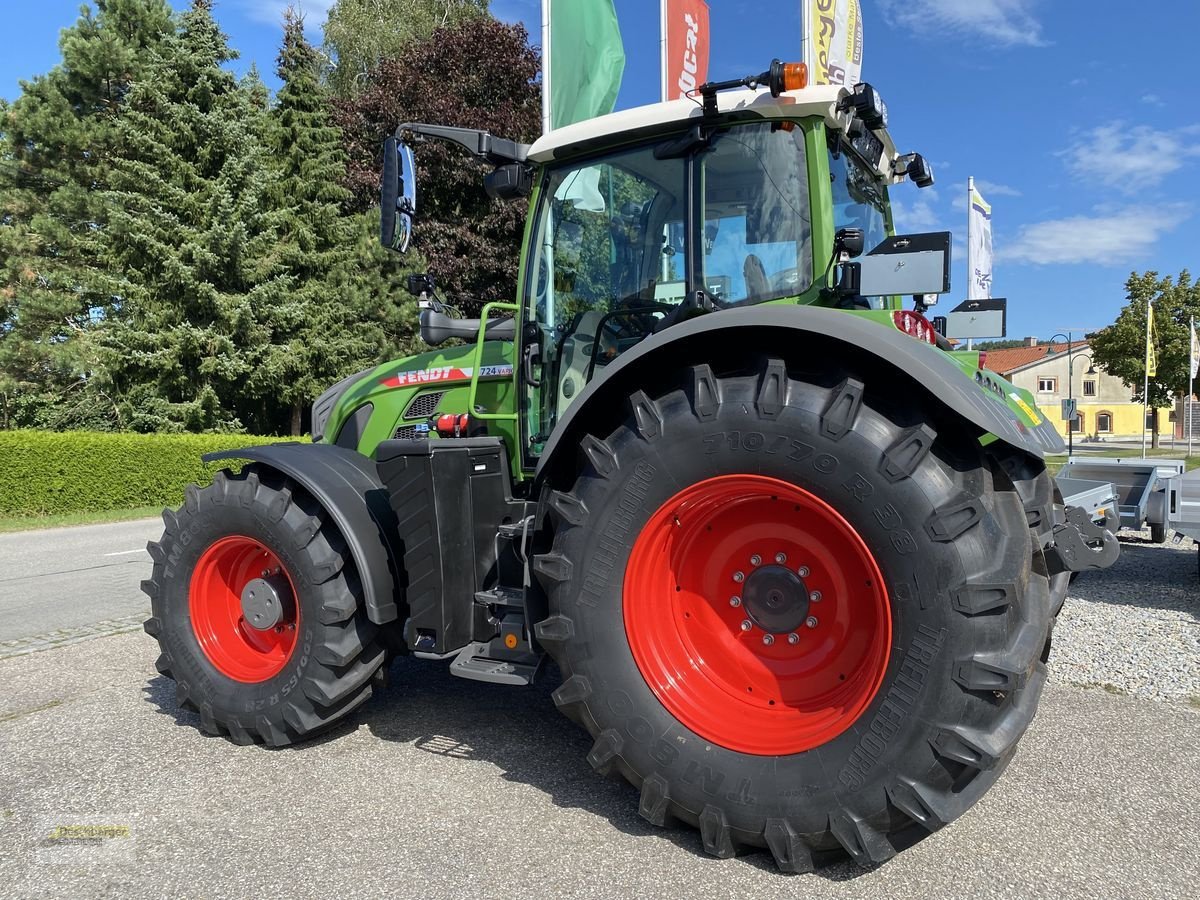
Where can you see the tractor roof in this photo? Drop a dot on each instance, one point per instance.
(630, 124)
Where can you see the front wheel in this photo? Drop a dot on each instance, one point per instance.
(794, 615)
(258, 612)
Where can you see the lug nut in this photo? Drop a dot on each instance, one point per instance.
(739, 577)
(811, 621)
(747, 625)
(781, 558)
(735, 601)
(803, 573)
(279, 629)
(756, 560)
(266, 573)
(815, 596)
(793, 638)
(768, 639)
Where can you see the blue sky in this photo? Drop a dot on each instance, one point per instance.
(1078, 118)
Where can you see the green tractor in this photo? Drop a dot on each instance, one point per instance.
(796, 561)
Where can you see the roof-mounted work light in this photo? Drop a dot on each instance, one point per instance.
(916, 167)
(868, 106)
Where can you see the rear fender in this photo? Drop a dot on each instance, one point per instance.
(792, 332)
(347, 486)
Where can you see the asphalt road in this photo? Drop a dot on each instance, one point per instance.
(441, 787)
(68, 579)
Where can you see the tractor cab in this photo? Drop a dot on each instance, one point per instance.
(646, 218)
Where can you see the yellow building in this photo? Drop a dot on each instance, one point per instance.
(1104, 403)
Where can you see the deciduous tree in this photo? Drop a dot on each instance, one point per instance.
(478, 74)
(1120, 349)
(360, 34)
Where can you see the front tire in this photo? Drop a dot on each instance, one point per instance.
(879, 724)
(302, 655)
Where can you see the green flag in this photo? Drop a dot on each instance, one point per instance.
(587, 60)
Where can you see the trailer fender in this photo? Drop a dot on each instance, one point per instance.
(789, 332)
(347, 485)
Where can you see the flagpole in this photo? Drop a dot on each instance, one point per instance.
(1146, 382)
(1187, 394)
(662, 49)
(545, 66)
(970, 244)
(806, 37)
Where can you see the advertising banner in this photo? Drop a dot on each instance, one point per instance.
(979, 244)
(834, 41)
(686, 43)
(586, 60)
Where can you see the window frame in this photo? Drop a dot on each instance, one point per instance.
(1104, 413)
(1090, 383)
(1053, 389)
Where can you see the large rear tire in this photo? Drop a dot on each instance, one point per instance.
(909, 680)
(302, 654)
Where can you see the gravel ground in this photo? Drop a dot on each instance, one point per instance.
(1135, 628)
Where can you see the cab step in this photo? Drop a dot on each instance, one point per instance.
(474, 662)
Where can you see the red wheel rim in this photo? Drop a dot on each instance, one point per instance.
(239, 651)
(708, 562)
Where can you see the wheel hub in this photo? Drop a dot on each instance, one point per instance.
(244, 610)
(776, 599)
(266, 602)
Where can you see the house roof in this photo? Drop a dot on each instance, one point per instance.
(1013, 358)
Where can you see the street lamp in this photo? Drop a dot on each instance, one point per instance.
(1091, 370)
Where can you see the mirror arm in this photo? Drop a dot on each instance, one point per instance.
(497, 151)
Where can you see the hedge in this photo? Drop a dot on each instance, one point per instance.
(47, 473)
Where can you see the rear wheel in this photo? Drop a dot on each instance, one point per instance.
(258, 612)
(793, 615)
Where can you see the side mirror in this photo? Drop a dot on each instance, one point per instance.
(907, 264)
(398, 196)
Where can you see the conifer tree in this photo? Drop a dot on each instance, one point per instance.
(185, 240)
(57, 140)
(324, 313)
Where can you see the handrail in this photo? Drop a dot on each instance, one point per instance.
(477, 366)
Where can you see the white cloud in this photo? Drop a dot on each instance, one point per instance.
(1105, 238)
(1005, 22)
(920, 215)
(1130, 158)
(995, 189)
(1153, 100)
(271, 12)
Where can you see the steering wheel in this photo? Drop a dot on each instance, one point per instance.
(634, 310)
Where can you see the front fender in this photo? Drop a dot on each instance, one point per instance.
(786, 330)
(347, 485)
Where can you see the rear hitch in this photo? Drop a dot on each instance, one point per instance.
(1080, 545)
